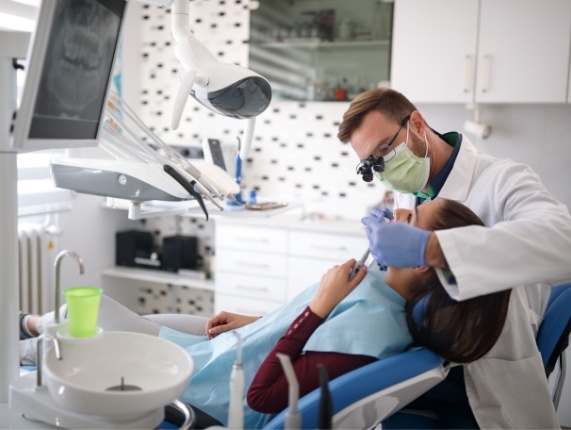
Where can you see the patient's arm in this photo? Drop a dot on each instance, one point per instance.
(226, 321)
(268, 392)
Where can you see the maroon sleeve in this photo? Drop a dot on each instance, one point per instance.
(268, 392)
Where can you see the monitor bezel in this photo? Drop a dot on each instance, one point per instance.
(36, 58)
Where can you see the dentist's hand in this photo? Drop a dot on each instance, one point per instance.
(395, 244)
(385, 213)
(226, 321)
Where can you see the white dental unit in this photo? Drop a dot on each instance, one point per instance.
(52, 116)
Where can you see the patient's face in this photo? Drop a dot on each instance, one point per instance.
(422, 216)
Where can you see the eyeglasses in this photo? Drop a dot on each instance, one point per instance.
(376, 161)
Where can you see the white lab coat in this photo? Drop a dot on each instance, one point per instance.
(507, 388)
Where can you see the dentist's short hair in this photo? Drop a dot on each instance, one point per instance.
(390, 103)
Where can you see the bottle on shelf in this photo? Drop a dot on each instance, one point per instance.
(382, 20)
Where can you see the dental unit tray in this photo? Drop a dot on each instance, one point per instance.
(138, 172)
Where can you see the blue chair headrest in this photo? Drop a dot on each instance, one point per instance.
(553, 334)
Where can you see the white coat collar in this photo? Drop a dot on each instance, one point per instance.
(457, 185)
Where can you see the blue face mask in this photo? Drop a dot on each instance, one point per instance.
(404, 171)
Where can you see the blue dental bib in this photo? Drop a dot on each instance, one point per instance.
(369, 321)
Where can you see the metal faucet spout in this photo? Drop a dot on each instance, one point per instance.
(40, 355)
(58, 261)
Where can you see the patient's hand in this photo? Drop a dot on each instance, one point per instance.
(226, 321)
(334, 287)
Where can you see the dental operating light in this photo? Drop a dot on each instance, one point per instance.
(224, 88)
(139, 173)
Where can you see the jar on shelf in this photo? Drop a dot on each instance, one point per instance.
(382, 20)
(346, 29)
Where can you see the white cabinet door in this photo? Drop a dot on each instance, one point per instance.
(434, 50)
(523, 51)
(484, 51)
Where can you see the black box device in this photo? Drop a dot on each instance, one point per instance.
(132, 245)
(179, 252)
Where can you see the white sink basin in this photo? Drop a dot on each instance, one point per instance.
(117, 374)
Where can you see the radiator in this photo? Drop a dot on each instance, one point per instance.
(34, 269)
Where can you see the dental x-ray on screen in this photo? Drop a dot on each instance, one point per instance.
(70, 64)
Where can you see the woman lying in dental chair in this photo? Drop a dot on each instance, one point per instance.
(340, 323)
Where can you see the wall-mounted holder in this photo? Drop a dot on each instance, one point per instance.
(475, 127)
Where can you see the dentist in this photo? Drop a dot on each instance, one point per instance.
(528, 242)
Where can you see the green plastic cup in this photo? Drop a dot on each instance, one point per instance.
(82, 310)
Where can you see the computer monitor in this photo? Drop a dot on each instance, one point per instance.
(70, 62)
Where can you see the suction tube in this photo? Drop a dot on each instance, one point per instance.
(236, 408)
(293, 417)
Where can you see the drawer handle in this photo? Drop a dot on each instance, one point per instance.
(328, 247)
(247, 263)
(248, 288)
(253, 239)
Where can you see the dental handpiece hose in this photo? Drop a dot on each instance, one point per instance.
(236, 409)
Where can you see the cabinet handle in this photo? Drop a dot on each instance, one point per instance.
(486, 63)
(253, 239)
(247, 263)
(467, 73)
(328, 247)
(248, 288)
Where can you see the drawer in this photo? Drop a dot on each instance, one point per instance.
(239, 305)
(251, 263)
(304, 272)
(339, 247)
(246, 238)
(249, 286)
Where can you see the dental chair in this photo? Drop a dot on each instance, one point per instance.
(379, 391)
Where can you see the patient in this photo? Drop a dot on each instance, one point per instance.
(340, 323)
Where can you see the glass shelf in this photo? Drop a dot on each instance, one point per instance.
(322, 44)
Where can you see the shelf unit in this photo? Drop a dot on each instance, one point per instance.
(159, 277)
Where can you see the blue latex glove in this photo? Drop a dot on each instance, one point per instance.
(395, 244)
(385, 213)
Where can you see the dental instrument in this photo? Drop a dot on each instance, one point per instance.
(363, 259)
(360, 263)
(293, 417)
(236, 408)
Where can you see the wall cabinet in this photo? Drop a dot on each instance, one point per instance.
(321, 50)
(259, 269)
(484, 51)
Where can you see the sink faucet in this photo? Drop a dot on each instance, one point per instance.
(40, 354)
(58, 261)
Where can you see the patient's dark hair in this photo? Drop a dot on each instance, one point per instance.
(460, 332)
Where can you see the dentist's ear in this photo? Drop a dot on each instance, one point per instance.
(417, 122)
